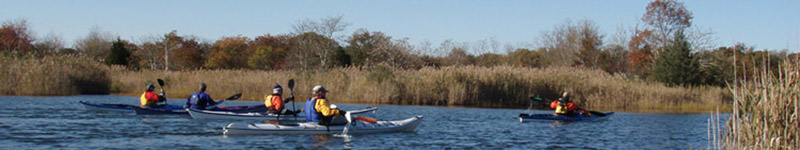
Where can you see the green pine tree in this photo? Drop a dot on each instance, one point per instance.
(676, 64)
(119, 54)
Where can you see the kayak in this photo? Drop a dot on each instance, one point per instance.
(174, 109)
(357, 127)
(211, 114)
(550, 117)
(166, 110)
(246, 108)
(106, 107)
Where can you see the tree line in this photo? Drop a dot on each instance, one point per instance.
(665, 48)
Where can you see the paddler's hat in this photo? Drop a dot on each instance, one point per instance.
(150, 87)
(319, 88)
(277, 89)
(564, 97)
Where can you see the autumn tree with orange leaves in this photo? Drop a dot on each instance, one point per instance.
(15, 37)
(663, 19)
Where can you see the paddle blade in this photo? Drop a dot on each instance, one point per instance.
(349, 122)
(536, 98)
(291, 83)
(160, 82)
(597, 113)
(235, 96)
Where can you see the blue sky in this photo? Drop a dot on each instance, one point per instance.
(764, 24)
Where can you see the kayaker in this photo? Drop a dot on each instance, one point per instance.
(200, 99)
(275, 103)
(564, 106)
(318, 110)
(150, 98)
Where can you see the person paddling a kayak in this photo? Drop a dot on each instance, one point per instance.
(318, 110)
(564, 106)
(200, 99)
(275, 102)
(150, 98)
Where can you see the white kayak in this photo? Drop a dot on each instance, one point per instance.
(210, 114)
(357, 127)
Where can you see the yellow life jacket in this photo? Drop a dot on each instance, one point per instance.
(561, 109)
(268, 101)
(143, 100)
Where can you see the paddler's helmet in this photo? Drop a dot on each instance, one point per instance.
(150, 87)
(564, 98)
(277, 89)
(317, 89)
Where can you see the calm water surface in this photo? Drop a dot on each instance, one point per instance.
(61, 123)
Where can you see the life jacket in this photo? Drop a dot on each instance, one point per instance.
(195, 101)
(565, 108)
(561, 108)
(143, 100)
(149, 103)
(268, 101)
(310, 111)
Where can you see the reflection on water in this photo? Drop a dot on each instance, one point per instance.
(61, 123)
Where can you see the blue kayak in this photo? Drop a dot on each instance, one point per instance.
(171, 109)
(168, 109)
(551, 117)
(107, 107)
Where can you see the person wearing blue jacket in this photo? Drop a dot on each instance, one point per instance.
(200, 99)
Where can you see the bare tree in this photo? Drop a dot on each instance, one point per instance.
(49, 44)
(327, 27)
(425, 48)
(96, 44)
(572, 42)
(321, 47)
(398, 54)
(169, 42)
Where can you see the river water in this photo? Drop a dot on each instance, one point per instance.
(62, 123)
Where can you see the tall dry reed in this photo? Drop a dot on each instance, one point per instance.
(52, 75)
(765, 113)
(501, 86)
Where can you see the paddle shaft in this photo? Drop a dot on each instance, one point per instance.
(161, 85)
(291, 89)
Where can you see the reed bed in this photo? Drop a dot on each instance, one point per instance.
(52, 75)
(765, 113)
(500, 86)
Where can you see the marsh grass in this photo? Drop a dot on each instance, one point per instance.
(52, 75)
(765, 112)
(499, 87)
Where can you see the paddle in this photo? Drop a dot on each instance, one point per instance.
(161, 85)
(349, 122)
(291, 89)
(233, 97)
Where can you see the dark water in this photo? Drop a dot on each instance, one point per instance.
(61, 123)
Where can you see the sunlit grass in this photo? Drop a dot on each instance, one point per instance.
(765, 113)
(501, 86)
(52, 75)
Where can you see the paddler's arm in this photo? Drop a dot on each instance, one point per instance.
(325, 108)
(288, 99)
